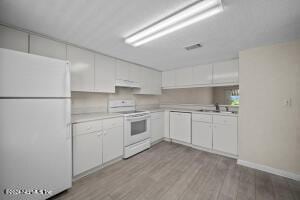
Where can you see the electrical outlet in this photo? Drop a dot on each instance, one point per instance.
(287, 102)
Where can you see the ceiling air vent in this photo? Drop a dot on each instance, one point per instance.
(192, 47)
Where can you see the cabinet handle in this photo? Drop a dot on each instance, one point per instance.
(99, 133)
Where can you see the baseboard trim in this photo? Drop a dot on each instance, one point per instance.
(157, 141)
(215, 152)
(93, 170)
(205, 149)
(268, 169)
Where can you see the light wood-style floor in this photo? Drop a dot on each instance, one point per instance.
(172, 171)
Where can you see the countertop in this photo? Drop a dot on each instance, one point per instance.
(191, 111)
(77, 118)
(200, 112)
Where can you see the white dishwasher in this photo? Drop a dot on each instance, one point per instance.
(180, 126)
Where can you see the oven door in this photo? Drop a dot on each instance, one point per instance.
(136, 129)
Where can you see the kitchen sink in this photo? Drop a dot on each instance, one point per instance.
(204, 110)
(216, 111)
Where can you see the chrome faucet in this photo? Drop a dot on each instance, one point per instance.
(217, 107)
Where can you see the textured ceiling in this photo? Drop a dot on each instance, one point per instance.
(101, 25)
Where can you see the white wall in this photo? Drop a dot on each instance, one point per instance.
(269, 131)
(97, 102)
(187, 96)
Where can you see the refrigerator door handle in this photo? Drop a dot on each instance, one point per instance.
(68, 119)
(68, 79)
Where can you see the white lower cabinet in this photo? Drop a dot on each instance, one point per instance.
(112, 143)
(202, 134)
(87, 152)
(180, 126)
(95, 143)
(157, 126)
(225, 134)
(202, 130)
(215, 132)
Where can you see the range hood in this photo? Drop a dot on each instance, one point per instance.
(127, 83)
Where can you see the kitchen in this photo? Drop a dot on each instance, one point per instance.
(210, 111)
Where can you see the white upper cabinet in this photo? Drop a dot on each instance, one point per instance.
(105, 74)
(46, 47)
(183, 77)
(226, 72)
(144, 81)
(157, 79)
(202, 75)
(13, 39)
(217, 74)
(122, 70)
(150, 81)
(82, 69)
(168, 78)
(154, 82)
(134, 73)
(128, 74)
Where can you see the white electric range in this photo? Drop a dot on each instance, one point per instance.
(136, 126)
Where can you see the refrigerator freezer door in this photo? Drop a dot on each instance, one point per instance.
(35, 146)
(27, 75)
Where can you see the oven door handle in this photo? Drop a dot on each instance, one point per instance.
(137, 118)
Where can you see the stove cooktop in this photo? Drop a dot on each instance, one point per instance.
(131, 112)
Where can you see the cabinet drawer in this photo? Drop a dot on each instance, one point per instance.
(202, 118)
(87, 127)
(157, 115)
(111, 123)
(226, 120)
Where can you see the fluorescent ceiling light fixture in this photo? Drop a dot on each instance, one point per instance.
(181, 19)
(179, 26)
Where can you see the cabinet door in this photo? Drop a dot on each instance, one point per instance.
(225, 72)
(82, 69)
(202, 134)
(202, 75)
(122, 70)
(105, 69)
(167, 124)
(180, 126)
(142, 82)
(184, 76)
(225, 134)
(45, 47)
(13, 39)
(152, 82)
(156, 83)
(168, 78)
(134, 73)
(157, 126)
(87, 152)
(112, 143)
(146, 81)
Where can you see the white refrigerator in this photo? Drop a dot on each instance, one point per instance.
(35, 126)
